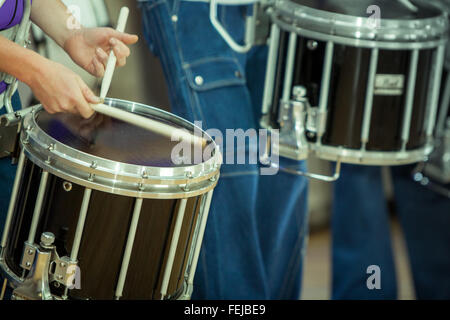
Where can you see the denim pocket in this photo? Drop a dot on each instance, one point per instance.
(214, 73)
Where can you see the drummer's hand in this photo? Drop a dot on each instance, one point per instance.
(61, 90)
(90, 48)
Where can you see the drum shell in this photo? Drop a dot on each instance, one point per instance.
(105, 235)
(347, 93)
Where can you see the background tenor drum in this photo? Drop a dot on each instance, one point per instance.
(118, 207)
(355, 88)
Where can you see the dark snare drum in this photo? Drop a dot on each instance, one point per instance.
(354, 88)
(102, 201)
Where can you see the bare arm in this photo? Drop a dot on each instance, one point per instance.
(18, 61)
(53, 18)
(88, 47)
(56, 87)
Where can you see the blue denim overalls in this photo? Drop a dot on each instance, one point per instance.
(255, 237)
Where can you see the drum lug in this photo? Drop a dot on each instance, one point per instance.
(36, 259)
(65, 271)
(292, 119)
(29, 254)
(45, 266)
(36, 285)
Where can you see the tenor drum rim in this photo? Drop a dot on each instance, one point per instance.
(358, 156)
(356, 31)
(117, 177)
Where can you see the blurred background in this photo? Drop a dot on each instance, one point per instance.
(142, 80)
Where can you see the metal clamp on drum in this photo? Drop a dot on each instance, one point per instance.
(10, 126)
(371, 87)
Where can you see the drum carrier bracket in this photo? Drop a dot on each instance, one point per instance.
(10, 125)
(45, 266)
(296, 117)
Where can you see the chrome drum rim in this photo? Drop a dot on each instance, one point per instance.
(356, 31)
(116, 177)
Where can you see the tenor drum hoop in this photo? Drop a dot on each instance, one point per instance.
(116, 177)
(356, 31)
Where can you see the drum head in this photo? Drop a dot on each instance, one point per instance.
(113, 156)
(389, 9)
(112, 139)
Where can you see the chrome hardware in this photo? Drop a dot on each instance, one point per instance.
(321, 177)
(36, 285)
(64, 271)
(67, 186)
(47, 240)
(37, 260)
(45, 267)
(110, 176)
(312, 45)
(292, 118)
(29, 253)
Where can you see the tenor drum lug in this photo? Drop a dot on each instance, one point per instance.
(36, 285)
(65, 271)
(37, 260)
(29, 255)
(292, 119)
(45, 266)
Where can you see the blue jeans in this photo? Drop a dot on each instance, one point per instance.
(7, 174)
(361, 235)
(255, 237)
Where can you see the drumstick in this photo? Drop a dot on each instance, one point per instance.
(129, 117)
(149, 124)
(409, 5)
(110, 66)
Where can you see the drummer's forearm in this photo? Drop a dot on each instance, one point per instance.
(18, 61)
(53, 17)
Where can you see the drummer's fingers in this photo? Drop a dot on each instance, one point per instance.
(86, 96)
(121, 51)
(125, 37)
(49, 108)
(83, 108)
(98, 67)
(102, 56)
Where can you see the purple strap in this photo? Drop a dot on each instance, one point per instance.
(11, 13)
